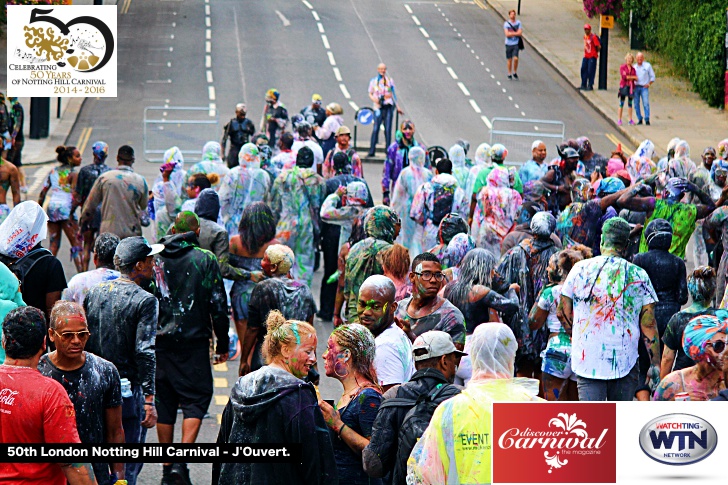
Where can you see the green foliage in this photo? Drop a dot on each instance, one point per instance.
(690, 34)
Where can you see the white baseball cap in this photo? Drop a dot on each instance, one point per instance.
(435, 343)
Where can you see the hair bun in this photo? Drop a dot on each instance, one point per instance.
(274, 321)
(60, 149)
(213, 178)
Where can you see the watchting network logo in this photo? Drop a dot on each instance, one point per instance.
(678, 439)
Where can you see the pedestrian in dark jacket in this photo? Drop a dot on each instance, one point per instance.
(436, 360)
(274, 405)
(192, 304)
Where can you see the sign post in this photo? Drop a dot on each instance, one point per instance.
(606, 23)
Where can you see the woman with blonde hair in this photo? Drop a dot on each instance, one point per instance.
(349, 358)
(275, 405)
(627, 76)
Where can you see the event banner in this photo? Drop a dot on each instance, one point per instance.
(61, 51)
(623, 442)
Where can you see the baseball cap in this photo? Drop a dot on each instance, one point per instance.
(125, 152)
(587, 26)
(434, 343)
(343, 130)
(316, 98)
(134, 249)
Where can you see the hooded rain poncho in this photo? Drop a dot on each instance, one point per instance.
(407, 184)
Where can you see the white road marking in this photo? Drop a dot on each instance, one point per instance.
(207, 9)
(208, 47)
(424, 32)
(40, 177)
(208, 34)
(344, 91)
(208, 60)
(325, 40)
(463, 89)
(159, 81)
(211, 92)
(475, 106)
(517, 107)
(337, 73)
(332, 61)
(523, 114)
(492, 76)
(417, 21)
(487, 122)
(510, 98)
(308, 4)
(209, 76)
(283, 18)
(211, 109)
(477, 57)
(472, 51)
(432, 44)
(354, 106)
(467, 45)
(504, 90)
(442, 58)
(207, 22)
(407, 7)
(315, 15)
(452, 73)
(535, 128)
(320, 27)
(498, 83)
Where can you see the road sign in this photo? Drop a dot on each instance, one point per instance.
(607, 21)
(365, 117)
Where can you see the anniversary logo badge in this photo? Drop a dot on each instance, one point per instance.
(65, 50)
(564, 443)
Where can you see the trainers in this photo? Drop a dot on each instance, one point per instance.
(510, 76)
(639, 122)
(647, 122)
(619, 122)
(180, 474)
(631, 122)
(24, 189)
(515, 75)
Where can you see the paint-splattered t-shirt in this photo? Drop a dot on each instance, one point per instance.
(362, 262)
(81, 284)
(681, 217)
(446, 318)
(393, 359)
(608, 294)
(93, 388)
(548, 300)
(358, 415)
(291, 297)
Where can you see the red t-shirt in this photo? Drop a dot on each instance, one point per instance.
(34, 409)
(591, 43)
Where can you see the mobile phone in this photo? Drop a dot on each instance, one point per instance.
(330, 402)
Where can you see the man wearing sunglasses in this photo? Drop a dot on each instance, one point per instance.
(425, 310)
(92, 383)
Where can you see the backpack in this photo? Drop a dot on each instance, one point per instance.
(442, 200)
(21, 267)
(415, 422)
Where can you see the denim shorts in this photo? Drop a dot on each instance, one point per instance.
(511, 51)
(557, 357)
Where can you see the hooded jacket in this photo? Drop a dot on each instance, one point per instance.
(10, 298)
(192, 301)
(272, 406)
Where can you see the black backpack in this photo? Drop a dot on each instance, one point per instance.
(442, 200)
(414, 423)
(21, 267)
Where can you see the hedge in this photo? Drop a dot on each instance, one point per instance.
(691, 35)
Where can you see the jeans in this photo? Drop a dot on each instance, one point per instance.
(642, 94)
(588, 71)
(621, 389)
(132, 414)
(386, 113)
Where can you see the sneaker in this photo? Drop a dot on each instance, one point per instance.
(631, 122)
(510, 77)
(180, 474)
(24, 189)
(639, 122)
(647, 122)
(619, 122)
(515, 75)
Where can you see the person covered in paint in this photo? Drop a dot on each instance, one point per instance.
(434, 200)
(192, 305)
(297, 196)
(376, 307)
(460, 170)
(274, 404)
(381, 227)
(399, 158)
(450, 226)
(243, 185)
(581, 221)
(557, 378)
(526, 264)
(681, 216)
(275, 117)
(238, 130)
(168, 189)
(704, 340)
(702, 179)
(285, 159)
(701, 285)
(493, 354)
(92, 384)
(436, 361)
(306, 139)
(425, 309)
(357, 234)
(608, 304)
(86, 178)
(456, 251)
(343, 206)
(405, 187)
(196, 183)
(667, 272)
(36, 409)
(495, 212)
(10, 298)
(396, 266)
(326, 133)
(535, 197)
(343, 140)
(717, 226)
(277, 292)
(211, 163)
(349, 358)
(560, 177)
(81, 284)
(640, 165)
(498, 154)
(56, 198)
(473, 296)
(594, 163)
(535, 168)
(480, 161)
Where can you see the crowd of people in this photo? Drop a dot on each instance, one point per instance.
(475, 281)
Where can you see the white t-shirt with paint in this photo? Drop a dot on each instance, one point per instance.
(393, 359)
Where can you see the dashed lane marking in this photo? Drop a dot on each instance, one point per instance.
(487, 122)
(221, 400)
(407, 7)
(475, 106)
(432, 44)
(416, 20)
(344, 91)
(220, 382)
(332, 61)
(320, 27)
(315, 15)
(337, 74)
(220, 367)
(424, 32)
(452, 73)
(463, 89)
(325, 40)
(308, 5)
(442, 58)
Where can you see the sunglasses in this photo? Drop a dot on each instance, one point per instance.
(69, 336)
(718, 346)
(428, 275)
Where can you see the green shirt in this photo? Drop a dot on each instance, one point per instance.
(682, 218)
(482, 180)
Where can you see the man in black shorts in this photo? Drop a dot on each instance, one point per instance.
(513, 31)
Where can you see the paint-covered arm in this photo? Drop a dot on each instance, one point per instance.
(218, 305)
(668, 358)
(650, 336)
(632, 201)
(683, 291)
(15, 186)
(387, 171)
(706, 205)
(668, 387)
(114, 434)
(611, 199)
(146, 333)
(565, 313)
(419, 202)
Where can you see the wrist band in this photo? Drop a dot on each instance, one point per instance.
(121, 482)
(149, 404)
(341, 429)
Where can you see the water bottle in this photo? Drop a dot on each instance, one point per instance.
(126, 388)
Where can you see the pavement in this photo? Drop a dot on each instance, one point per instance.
(555, 28)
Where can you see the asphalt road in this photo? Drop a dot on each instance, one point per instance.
(447, 60)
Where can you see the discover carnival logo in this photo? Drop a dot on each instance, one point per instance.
(573, 443)
(678, 439)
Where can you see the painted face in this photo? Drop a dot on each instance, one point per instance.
(303, 356)
(408, 130)
(268, 267)
(720, 177)
(375, 312)
(146, 268)
(427, 288)
(715, 358)
(336, 360)
(343, 140)
(70, 335)
(76, 158)
(191, 189)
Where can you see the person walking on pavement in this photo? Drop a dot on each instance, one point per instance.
(104, 249)
(645, 79)
(384, 98)
(513, 30)
(122, 195)
(275, 117)
(86, 178)
(238, 130)
(9, 180)
(17, 140)
(589, 61)
(627, 78)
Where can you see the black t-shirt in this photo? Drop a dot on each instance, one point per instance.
(674, 333)
(93, 388)
(45, 277)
